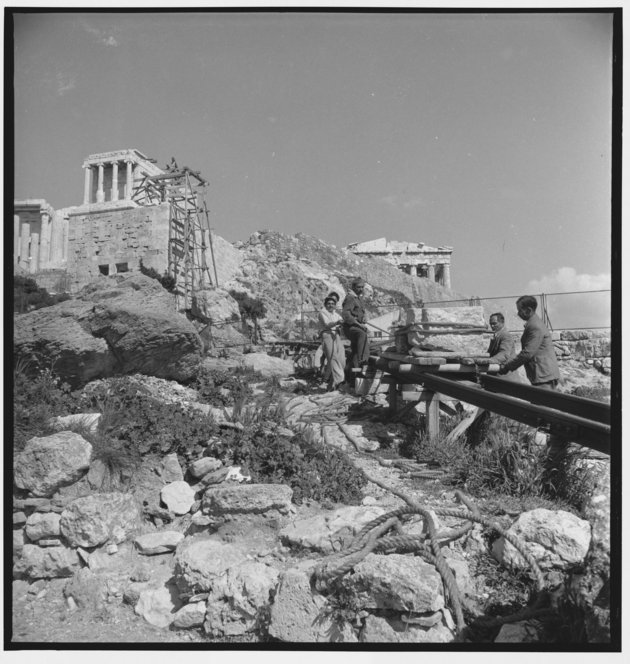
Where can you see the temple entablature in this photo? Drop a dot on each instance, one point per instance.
(415, 258)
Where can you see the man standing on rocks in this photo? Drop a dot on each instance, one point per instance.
(538, 356)
(354, 327)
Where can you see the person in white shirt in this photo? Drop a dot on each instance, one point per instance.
(334, 351)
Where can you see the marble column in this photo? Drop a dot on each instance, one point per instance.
(87, 184)
(56, 239)
(100, 194)
(129, 185)
(64, 239)
(34, 264)
(16, 239)
(446, 275)
(25, 240)
(44, 247)
(115, 181)
(431, 272)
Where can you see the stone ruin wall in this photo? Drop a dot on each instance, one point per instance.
(115, 241)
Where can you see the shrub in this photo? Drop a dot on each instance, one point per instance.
(505, 460)
(38, 395)
(222, 388)
(312, 470)
(166, 280)
(27, 295)
(146, 424)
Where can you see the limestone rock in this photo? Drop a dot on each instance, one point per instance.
(42, 525)
(145, 332)
(383, 630)
(178, 497)
(267, 365)
(395, 581)
(46, 563)
(239, 600)
(232, 499)
(160, 542)
(59, 331)
(158, 606)
(171, 470)
(329, 531)
(100, 518)
(556, 539)
(87, 589)
(203, 466)
(112, 328)
(47, 463)
(19, 540)
(190, 615)
(215, 305)
(200, 561)
(301, 615)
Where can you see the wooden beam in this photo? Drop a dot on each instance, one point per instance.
(589, 408)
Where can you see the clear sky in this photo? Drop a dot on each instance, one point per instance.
(490, 133)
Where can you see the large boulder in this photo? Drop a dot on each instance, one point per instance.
(159, 605)
(42, 525)
(555, 539)
(99, 519)
(48, 463)
(399, 582)
(246, 499)
(117, 326)
(216, 306)
(392, 630)
(49, 562)
(331, 530)
(60, 334)
(300, 614)
(201, 561)
(239, 600)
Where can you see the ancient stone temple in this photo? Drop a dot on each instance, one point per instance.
(414, 258)
(115, 228)
(111, 176)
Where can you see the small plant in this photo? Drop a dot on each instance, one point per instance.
(146, 424)
(166, 280)
(222, 388)
(38, 396)
(28, 296)
(312, 470)
(506, 460)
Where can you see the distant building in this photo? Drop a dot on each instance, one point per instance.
(414, 258)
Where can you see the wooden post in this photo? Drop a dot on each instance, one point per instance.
(392, 398)
(433, 415)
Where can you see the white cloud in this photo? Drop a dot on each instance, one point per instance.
(65, 83)
(399, 202)
(565, 279)
(101, 35)
(575, 308)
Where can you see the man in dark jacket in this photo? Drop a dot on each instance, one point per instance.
(354, 327)
(537, 351)
(541, 366)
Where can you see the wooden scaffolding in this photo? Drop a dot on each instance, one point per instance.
(189, 233)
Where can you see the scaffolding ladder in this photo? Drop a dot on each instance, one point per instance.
(189, 233)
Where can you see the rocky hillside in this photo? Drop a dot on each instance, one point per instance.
(292, 274)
